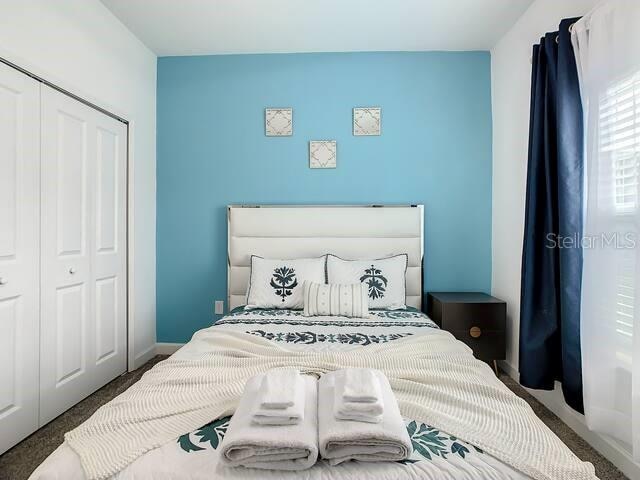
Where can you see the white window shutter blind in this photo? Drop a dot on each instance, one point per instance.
(609, 72)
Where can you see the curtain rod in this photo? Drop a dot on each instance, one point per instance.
(570, 31)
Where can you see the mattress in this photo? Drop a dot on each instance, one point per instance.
(194, 455)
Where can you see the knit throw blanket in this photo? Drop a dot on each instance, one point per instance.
(435, 378)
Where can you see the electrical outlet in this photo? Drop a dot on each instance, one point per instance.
(219, 307)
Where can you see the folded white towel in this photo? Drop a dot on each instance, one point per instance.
(269, 447)
(280, 388)
(280, 416)
(359, 412)
(370, 411)
(343, 440)
(359, 385)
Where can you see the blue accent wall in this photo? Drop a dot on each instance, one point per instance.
(435, 149)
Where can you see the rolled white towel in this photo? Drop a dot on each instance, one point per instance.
(280, 388)
(354, 410)
(292, 447)
(343, 440)
(359, 385)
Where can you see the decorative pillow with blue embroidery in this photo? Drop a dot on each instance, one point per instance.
(278, 283)
(385, 278)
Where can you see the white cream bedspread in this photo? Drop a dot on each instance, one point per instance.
(498, 422)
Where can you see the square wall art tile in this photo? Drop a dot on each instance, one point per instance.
(366, 121)
(278, 122)
(322, 153)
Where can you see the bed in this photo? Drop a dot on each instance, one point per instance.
(352, 232)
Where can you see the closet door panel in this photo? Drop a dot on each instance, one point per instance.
(71, 184)
(109, 253)
(19, 255)
(70, 325)
(66, 327)
(83, 252)
(106, 319)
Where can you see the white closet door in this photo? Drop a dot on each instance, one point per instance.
(19, 255)
(83, 317)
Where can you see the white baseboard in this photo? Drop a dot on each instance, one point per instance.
(143, 357)
(609, 448)
(167, 348)
(509, 369)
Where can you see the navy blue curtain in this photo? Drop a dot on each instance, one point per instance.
(552, 255)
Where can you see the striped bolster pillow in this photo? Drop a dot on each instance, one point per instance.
(336, 299)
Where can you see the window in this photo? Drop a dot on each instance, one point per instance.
(625, 296)
(619, 136)
(619, 150)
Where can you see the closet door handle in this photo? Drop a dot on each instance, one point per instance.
(72, 270)
(3, 281)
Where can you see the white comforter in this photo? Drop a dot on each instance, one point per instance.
(195, 455)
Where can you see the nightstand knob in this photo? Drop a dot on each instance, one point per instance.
(475, 332)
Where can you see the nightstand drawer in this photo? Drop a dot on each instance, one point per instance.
(463, 317)
(486, 345)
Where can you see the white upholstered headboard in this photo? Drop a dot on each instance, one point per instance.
(351, 232)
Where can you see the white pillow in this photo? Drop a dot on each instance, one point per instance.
(385, 278)
(336, 300)
(279, 283)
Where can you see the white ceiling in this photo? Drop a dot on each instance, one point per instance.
(199, 27)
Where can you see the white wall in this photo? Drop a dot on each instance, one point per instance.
(82, 47)
(510, 91)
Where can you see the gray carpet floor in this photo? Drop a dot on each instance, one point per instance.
(21, 460)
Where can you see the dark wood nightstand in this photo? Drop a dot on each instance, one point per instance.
(477, 319)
